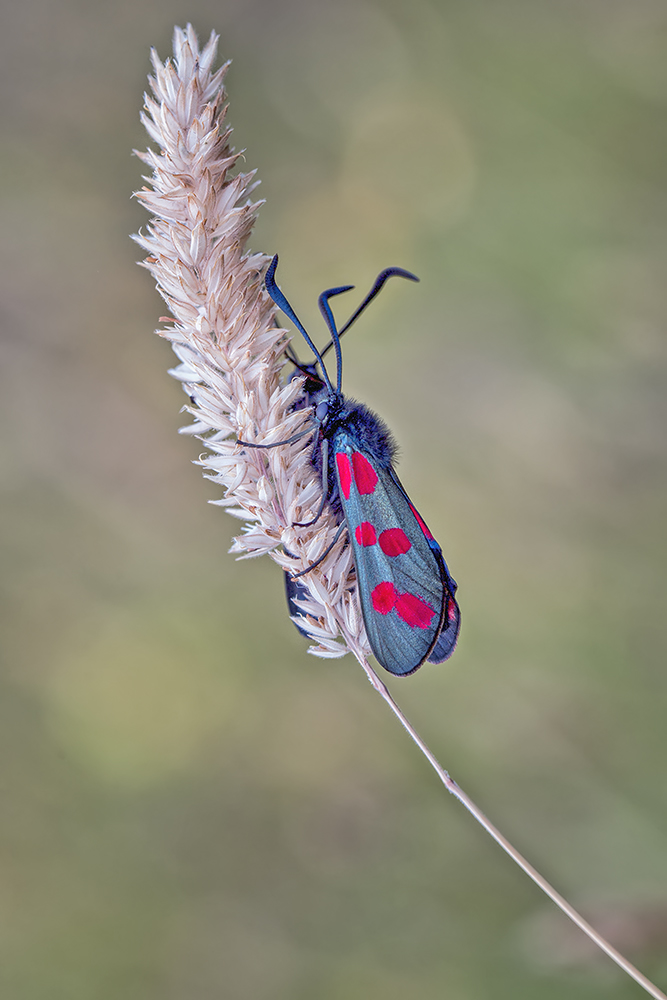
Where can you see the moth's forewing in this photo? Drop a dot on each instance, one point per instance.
(401, 577)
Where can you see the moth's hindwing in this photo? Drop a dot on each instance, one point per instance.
(405, 590)
(295, 591)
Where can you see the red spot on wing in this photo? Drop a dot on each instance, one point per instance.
(384, 597)
(411, 609)
(422, 523)
(365, 533)
(344, 473)
(452, 612)
(414, 612)
(394, 542)
(365, 475)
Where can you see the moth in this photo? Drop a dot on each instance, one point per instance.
(406, 591)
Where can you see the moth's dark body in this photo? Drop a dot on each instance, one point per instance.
(367, 426)
(368, 430)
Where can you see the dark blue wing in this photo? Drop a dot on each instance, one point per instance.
(444, 647)
(405, 590)
(295, 591)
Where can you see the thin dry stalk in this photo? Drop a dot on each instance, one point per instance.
(230, 348)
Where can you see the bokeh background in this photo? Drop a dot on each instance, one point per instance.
(191, 806)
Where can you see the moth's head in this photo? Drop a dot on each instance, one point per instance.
(327, 405)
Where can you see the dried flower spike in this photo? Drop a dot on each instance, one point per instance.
(231, 349)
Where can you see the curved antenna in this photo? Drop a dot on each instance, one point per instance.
(285, 307)
(383, 276)
(325, 309)
(302, 366)
(291, 356)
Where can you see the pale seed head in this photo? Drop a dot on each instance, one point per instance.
(225, 334)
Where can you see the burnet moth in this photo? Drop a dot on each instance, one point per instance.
(405, 588)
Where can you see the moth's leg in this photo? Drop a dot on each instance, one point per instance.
(325, 487)
(326, 552)
(276, 444)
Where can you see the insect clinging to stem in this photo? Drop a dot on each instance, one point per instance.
(405, 589)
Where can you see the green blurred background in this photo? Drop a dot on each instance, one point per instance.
(193, 808)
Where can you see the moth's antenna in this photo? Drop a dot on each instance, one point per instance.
(285, 307)
(325, 309)
(304, 368)
(382, 277)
